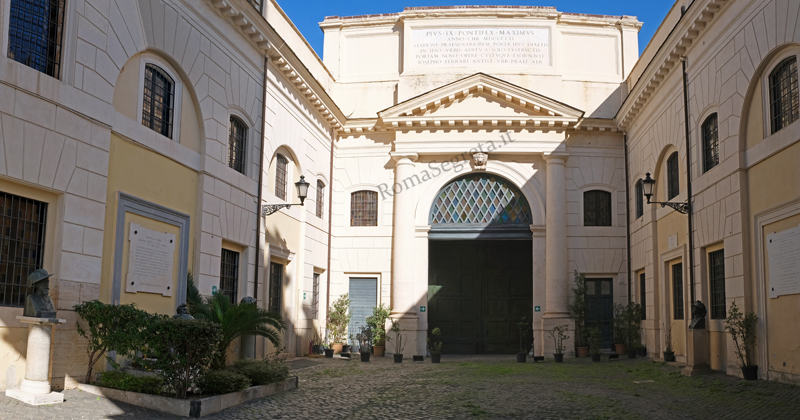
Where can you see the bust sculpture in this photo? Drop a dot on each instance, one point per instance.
(39, 304)
(248, 300)
(698, 315)
(182, 312)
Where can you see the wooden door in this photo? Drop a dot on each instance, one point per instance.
(600, 308)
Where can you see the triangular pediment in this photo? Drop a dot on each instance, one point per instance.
(481, 99)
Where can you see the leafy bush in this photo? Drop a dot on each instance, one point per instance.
(743, 331)
(262, 372)
(222, 381)
(182, 349)
(124, 381)
(377, 322)
(108, 326)
(435, 347)
(338, 318)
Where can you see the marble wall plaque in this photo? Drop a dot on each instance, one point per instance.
(783, 249)
(150, 261)
(479, 46)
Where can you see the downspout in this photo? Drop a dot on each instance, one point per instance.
(330, 223)
(628, 214)
(260, 187)
(688, 179)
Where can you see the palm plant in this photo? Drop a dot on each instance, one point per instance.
(234, 319)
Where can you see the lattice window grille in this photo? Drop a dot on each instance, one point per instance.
(677, 291)
(597, 208)
(710, 143)
(35, 34)
(364, 208)
(158, 103)
(320, 199)
(275, 287)
(716, 265)
(673, 188)
(229, 274)
(281, 169)
(237, 143)
(22, 235)
(783, 94)
(480, 199)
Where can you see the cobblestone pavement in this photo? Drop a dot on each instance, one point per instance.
(491, 387)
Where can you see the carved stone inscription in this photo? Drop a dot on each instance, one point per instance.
(482, 46)
(784, 262)
(150, 261)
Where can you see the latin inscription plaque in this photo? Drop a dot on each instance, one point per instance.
(784, 262)
(150, 261)
(480, 46)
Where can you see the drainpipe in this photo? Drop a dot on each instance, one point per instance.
(330, 223)
(688, 178)
(628, 214)
(260, 180)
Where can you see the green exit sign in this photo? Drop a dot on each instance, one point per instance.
(422, 309)
(304, 296)
(213, 289)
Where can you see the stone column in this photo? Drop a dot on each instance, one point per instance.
(35, 389)
(404, 299)
(557, 283)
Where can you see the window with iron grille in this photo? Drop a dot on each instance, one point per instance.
(716, 266)
(364, 208)
(597, 208)
(643, 295)
(784, 106)
(673, 188)
(639, 199)
(275, 287)
(237, 142)
(710, 143)
(229, 274)
(22, 231)
(159, 98)
(315, 297)
(35, 34)
(677, 291)
(320, 199)
(281, 165)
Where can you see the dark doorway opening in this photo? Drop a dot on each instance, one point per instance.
(600, 308)
(477, 292)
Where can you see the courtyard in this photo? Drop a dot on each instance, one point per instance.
(491, 387)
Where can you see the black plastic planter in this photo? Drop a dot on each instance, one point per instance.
(522, 357)
(398, 358)
(329, 353)
(631, 354)
(436, 358)
(596, 357)
(750, 373)
(559, 357)
(365, 357)
(346, 348)
(669, 356)
(641, 352)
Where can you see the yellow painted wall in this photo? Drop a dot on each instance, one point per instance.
(142, 173)
(755, 119)
(678, 326)
(718, 343)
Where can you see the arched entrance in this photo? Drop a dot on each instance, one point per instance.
(480, 265)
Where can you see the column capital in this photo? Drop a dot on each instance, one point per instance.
(559, 159)
(398, 156)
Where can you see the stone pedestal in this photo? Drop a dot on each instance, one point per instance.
(698, 353)
(35, 389)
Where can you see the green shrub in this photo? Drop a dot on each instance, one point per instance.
(262, 372)
(182, 349)
(222, 381)
(124, 381)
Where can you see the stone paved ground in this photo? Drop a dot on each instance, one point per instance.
(490, 387)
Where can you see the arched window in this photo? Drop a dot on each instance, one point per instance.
(159, 100)
(597, 208)
(320, 199)
(364, 208)
(281, 168)
(710, 143)
(237, 144)
(35, 34)
(639, 199)
(784, 108)
(673, 188)
(480, 199)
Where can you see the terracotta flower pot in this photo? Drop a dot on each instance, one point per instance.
(337, 348)
(379, 350)
(582, 351)
(621, 348)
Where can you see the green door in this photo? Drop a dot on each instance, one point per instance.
(600, 308)
(478, 291)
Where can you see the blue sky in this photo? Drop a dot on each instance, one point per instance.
(306, 14)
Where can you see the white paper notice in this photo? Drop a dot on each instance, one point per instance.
(784, 262)
(150, 261)
(482, 46)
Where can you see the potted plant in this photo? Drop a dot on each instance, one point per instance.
(578, 310)
(620, 328)
(435, 347)
(595, 341)
(743, 331)
(523, 326)
(399, 341)
(377, 322)
(338, 318)
(559, 335)
(669, 355)
(633, 320)
(365, 343)
(345, 345)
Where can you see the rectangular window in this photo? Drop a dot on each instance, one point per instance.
(158, 98)
(275, 287)
(237, 141)
(673, 189)
(229, 274)
(364, 208)
(643, 295)
(281, 172)
(35, 34)
(639, 199)
(320, 199)
(710, 143)
(716, 268)
(677, 291)
(315, 297)
(22, 231)
(783, 94)
(597, 208)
